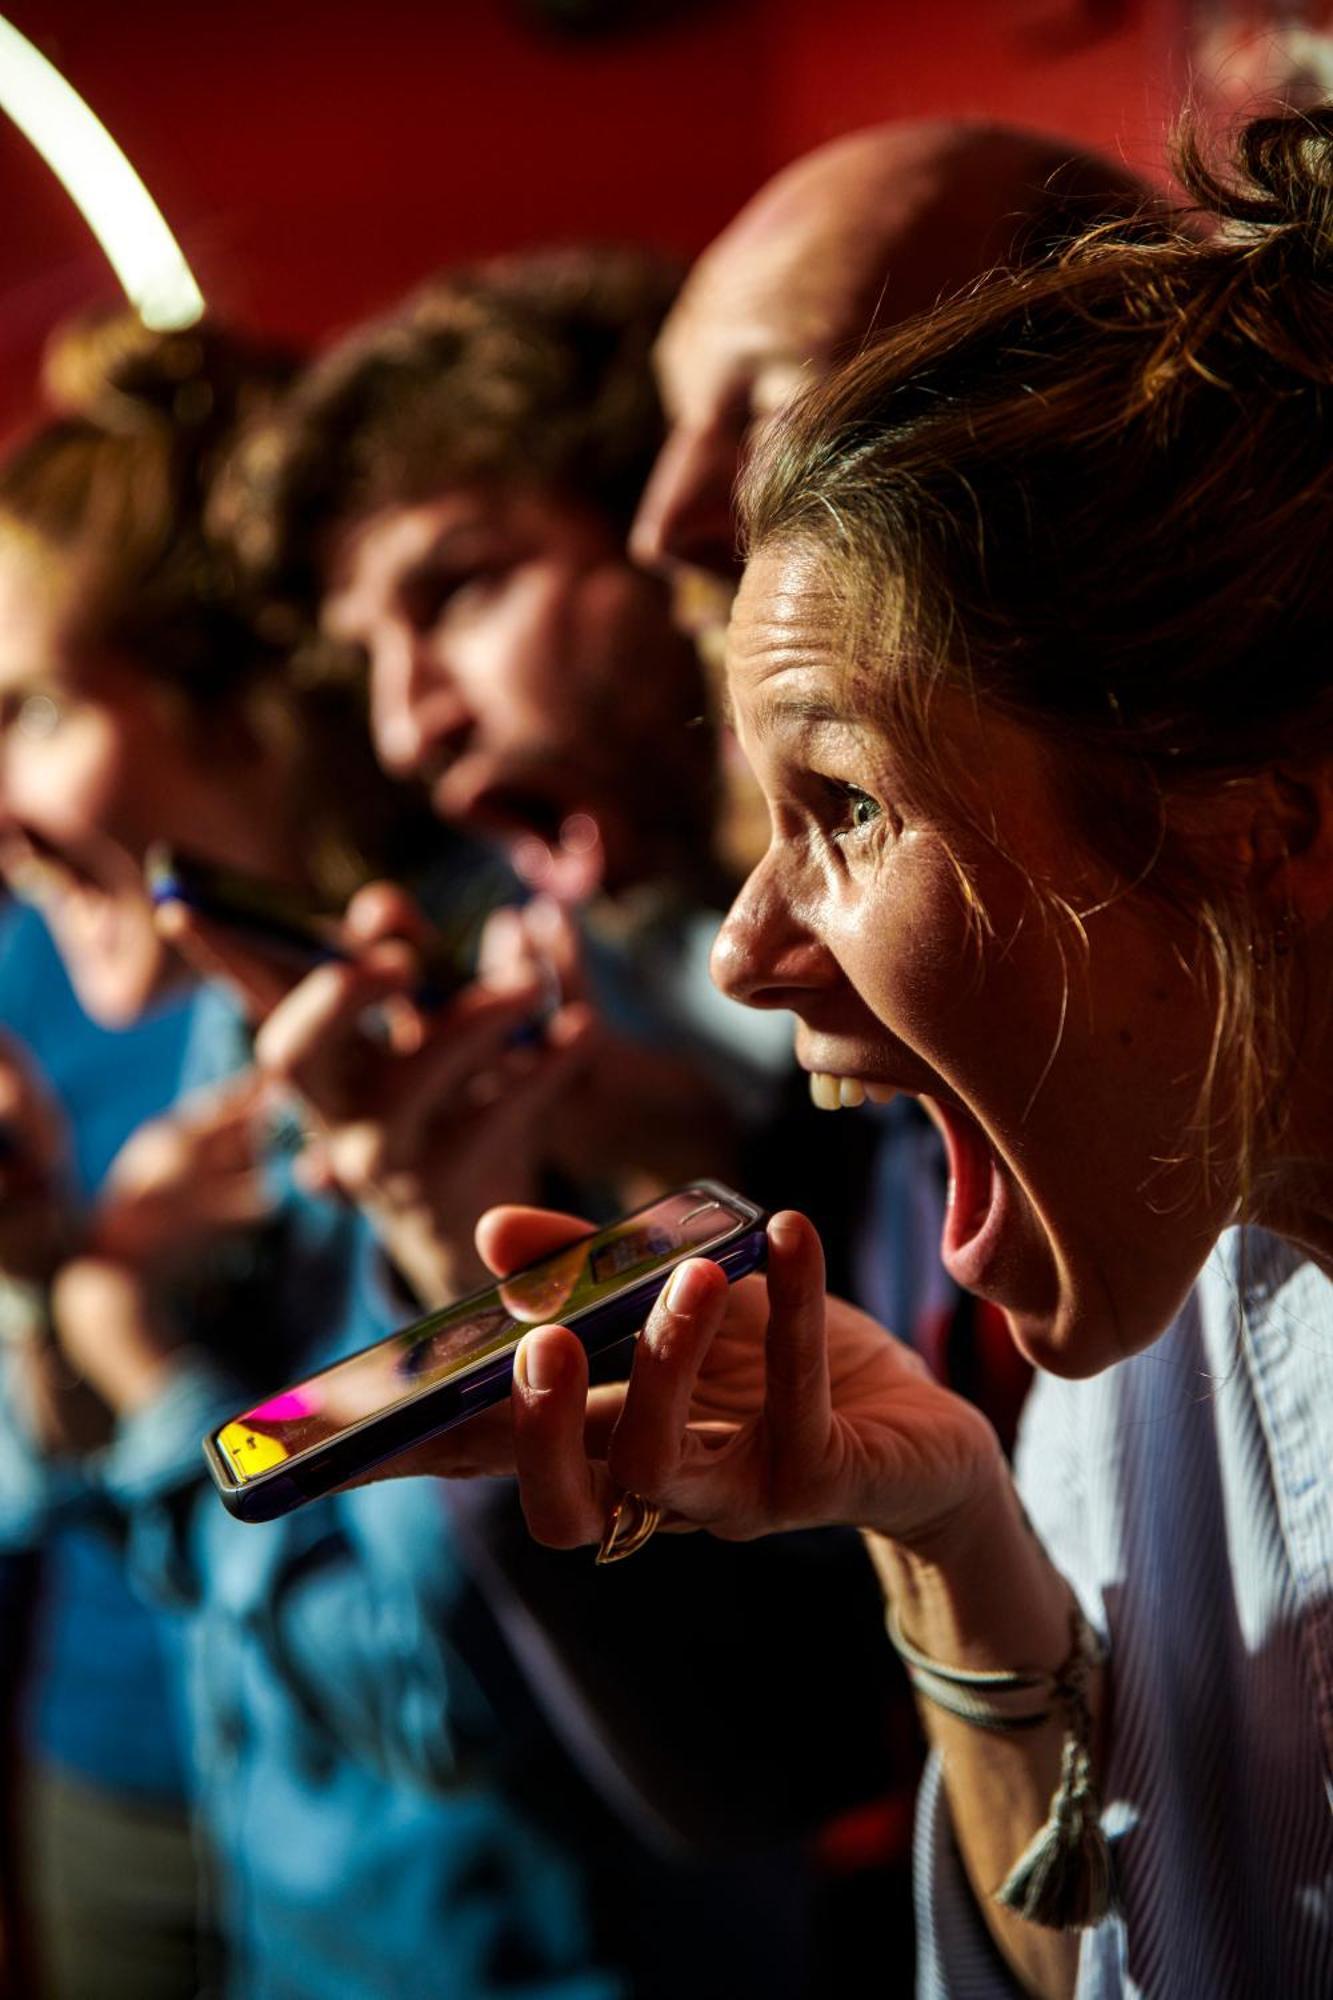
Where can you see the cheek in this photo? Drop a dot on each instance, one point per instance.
(512, 656)
(969, 968)
(80, 783)
(905, 934)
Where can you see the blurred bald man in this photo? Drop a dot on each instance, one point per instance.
(864, 232)
(848, 241)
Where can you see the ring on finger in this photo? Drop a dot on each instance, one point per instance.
(631, 1522)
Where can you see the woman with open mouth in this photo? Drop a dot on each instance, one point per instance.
(1031, 658)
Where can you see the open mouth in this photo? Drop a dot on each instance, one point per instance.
(553, 843)
(95, 911)
(978, 1197)
(512, 811)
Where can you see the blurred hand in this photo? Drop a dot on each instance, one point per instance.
(423, 1117)
(185, 1179)
(35, 1222)
(111, 1334)
(750, 1409)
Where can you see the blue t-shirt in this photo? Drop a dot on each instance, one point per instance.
(102, 1688)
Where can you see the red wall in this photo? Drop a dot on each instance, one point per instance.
(315, 159)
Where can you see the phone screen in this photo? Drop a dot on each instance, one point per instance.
(448, 1344)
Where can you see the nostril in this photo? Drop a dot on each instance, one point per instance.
(730, 967)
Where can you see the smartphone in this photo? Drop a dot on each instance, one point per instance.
(318, 1434)
(288, 926)
(279, 919)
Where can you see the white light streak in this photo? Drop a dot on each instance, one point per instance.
(100, 181)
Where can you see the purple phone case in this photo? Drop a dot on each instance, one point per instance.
(600, 1327)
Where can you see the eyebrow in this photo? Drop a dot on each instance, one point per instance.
(466, 534)
(807, 711)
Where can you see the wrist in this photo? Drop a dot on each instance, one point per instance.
(110, 1333)
(978, 1589)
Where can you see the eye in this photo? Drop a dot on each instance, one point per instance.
(430, 595)
(856, 809)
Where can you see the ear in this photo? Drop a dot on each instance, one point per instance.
(1291, 843)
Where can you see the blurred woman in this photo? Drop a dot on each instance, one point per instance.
(1031, 657)
(379, 1710)
(106, 1751)
(145, 699)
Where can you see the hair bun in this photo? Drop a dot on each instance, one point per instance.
(121, 375)
(1280, 181)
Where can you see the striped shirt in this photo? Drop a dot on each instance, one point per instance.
(1187, 1494)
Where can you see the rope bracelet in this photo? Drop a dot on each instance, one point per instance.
(1064, 1878)
(1001, 1699)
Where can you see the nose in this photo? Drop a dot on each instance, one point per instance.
(418, 713)
(685, 517)
(764, 954)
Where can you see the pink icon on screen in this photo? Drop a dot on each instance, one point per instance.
(286, 1408)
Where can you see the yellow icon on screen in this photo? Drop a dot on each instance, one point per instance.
(249, 1451)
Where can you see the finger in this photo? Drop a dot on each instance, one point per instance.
(241, 1203)
(313, 1169)
(507, 1238)
(564, 1492)
(466, 1040)
(797, 1398)
(320, 1020)
(384, 910)
(554, 936)
(504, 953)
(646, 1449)
(15, 1088)
(226, 1117)
(605, 1402)
(577, 1024)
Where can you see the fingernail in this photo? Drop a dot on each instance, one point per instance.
(784, 1233)
(689, 1287)
(539, 1363)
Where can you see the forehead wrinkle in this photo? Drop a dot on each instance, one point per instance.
(790, 630)
(805, 712)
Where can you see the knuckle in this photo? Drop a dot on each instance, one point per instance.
(360, 1156)
(275, 1049)
(666, 1346)
(638, 1465)
(554, 1524)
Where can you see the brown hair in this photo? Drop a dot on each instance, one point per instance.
(112, 499)
(532, 369)
(1098, 495)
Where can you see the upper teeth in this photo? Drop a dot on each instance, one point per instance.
(831, 1092)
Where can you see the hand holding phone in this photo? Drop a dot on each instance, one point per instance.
(340, 1424)
(279, 934)
(427, 1133)
(750, 1410)
(430, 1122)
(276, 919)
